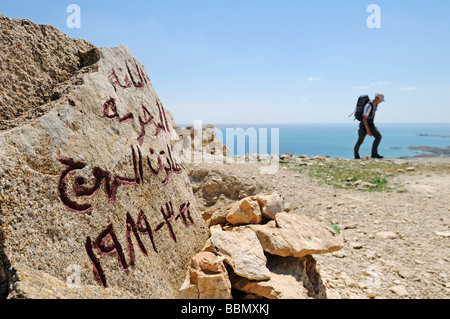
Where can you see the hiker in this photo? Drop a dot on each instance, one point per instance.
(367, 126)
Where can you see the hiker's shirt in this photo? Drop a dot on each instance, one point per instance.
(369, 111)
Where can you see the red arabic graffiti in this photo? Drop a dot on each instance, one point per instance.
(129, 79)
(107, 243)
(162, 125)
(75, 190)
(110, 111)
(112, 183)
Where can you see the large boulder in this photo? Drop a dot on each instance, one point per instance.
(90, 182)
(37, 64)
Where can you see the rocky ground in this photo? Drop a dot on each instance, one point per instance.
(396, 235)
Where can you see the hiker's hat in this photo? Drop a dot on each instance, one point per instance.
(380, 96)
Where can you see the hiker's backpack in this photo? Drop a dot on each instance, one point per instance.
(362, 102)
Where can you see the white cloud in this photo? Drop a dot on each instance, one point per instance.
(371, 85)
(314, 79)
(408, 89)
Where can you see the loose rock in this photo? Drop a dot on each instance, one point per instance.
(271, 204)
(246, 211)
(296, 235)
(207, 278)
(387, 235)
(243, 252)
(399, 290)
(291, 278)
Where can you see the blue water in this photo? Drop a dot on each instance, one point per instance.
(338, 140)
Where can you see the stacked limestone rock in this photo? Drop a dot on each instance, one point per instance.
(257, 250)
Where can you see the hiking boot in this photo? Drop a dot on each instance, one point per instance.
(377, 156)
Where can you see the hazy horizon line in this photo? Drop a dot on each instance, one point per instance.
(304, 123)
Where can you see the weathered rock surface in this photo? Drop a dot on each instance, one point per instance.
(249, 210)
(243, 252)
(213, 185)
(90, 176)
(207, 278)
(271, 204)
(37, 64)
(297, 236)
(290, 278)
(246, 211)
(29, 283)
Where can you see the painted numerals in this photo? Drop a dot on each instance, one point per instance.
(108, 244)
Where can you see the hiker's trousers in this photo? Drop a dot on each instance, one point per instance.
(362, 133)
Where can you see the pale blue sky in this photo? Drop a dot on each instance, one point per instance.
(285, 61)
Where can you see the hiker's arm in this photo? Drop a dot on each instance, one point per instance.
(366, 124)
(367, 111)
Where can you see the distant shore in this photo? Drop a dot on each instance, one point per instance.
(429, 151)
(434, 135)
